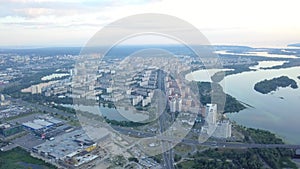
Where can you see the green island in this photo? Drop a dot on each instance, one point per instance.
(267, 86)
(20, 158)
(206, 93)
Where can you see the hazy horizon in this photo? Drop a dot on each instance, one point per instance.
(73, 23)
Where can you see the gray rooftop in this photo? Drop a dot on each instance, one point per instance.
(65, 144)
(32, 125)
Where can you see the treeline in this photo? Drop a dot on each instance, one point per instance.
(218, 158)
(124, 123)
(26, 81)
(40, 98)
(65, 109)
(225, 159)
(259, 136)
(218, 95)
(243, 158)
(267, 86)
(294, 63)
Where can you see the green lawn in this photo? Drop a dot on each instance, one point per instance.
(18, 158)
(182, 148)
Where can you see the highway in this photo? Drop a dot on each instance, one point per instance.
(163, 120)
(223, 144)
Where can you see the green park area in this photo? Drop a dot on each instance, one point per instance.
(18, 158)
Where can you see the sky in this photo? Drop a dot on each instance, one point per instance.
(257, 23)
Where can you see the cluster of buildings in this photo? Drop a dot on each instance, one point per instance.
(7, 129)
(52, 88)
(129, 82)
(72, 149)
(8, 110)
(57, 142)
(3, 101)
(180, 97)
(134, 85)
(42, 123)
(142, 90)
(8, 74)
(213, 126)
(138, 88)
(175, 104)
(17, 66)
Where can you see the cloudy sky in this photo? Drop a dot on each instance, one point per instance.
(73, 22)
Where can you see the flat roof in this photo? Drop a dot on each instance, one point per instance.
(32, 125)
(37, 124)
(42, 122)
(53, 120)
(64, 145)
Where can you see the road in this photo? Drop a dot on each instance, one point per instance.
(167, 155)
(148, 134)
(137, 133)
(164, 121)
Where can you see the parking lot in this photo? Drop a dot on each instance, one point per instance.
(28, 141)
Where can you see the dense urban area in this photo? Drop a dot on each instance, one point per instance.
(54, 113)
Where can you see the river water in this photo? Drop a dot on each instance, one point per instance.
(111, 113)
(278, 112)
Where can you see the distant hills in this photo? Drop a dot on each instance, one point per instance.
(119, 50)
(126, 50)
(51, 51)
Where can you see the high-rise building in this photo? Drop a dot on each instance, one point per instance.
(2, 98)
(211, 113)
(223, 129)
(179, 104)
(172, 103)
(136, 100)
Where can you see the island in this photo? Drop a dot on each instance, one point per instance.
(298, 77)
(267, 86)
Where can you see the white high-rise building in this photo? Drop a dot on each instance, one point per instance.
(136, 100)
(179, 104)
(172, 103)
(109, 90)
(146, 101)
(223, 129)
(2, 98)
(211, 113)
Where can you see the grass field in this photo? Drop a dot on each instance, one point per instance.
(18, 158)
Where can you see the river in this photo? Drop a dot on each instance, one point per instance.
(278, 112)
(258, 53)
(111, 113)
